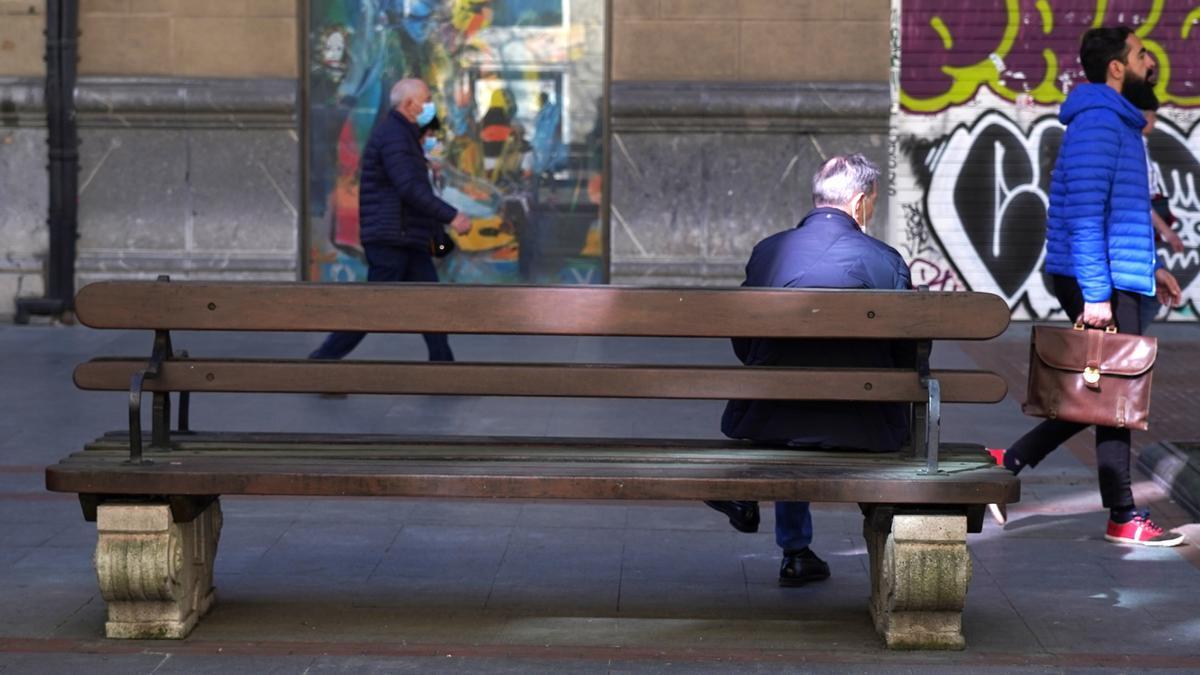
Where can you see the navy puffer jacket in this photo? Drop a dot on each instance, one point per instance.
(396, 203)
(1098, 228)
(826, 250)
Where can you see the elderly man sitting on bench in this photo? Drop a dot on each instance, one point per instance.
(830, 248)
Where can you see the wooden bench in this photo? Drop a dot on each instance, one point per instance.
(155, 497)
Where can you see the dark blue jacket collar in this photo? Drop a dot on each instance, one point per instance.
(831, 214)
(411, 127)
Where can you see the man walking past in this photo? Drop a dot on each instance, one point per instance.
(1100, 249)
(398, 210)
(828, 249)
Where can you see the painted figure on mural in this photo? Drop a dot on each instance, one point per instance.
(828, 249)
(400, 214)
(1100, 250)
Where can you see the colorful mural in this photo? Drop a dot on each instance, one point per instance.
(975, 135)
(518, 86)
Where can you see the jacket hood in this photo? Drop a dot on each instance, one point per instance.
(1088, 96)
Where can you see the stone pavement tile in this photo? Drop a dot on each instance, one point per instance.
(678, 419)
(558, 597)
(21, 534)
(588, 425)
(838, 598)
(17, 482)
(77, 533)
(357, 510)
(39, 605)
(335, 549)
(430, 412)
(446, 552)
(46, 562)
(199, 664)
(253, 509)
(93, 664)
(40, 509)
(992, 624)
(1072, 525)
(691, 516)
(586, 516)
(465, 513)
(450, 663)
(847, 558)
(12, 554)
(422, 594)
(561, 556)
(647, 598)
(680, 556)
(235, 558)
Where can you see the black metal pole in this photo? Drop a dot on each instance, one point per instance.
(62, 50)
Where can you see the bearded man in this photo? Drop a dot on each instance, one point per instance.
(1100, 249)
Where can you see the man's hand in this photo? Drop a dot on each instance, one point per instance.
(1168, 290)
(461, 223)
(1097, 314)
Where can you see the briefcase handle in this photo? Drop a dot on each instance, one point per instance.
(1108, 329)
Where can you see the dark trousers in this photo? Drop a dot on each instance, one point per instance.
(390, 263)
(1112, 444)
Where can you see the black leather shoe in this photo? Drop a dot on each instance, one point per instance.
(800, 567)
(743, 516)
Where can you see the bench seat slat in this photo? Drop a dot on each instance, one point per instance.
(555, 380)
(883, 480)
(541, 310)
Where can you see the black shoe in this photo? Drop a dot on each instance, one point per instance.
(800, 567)
(743, 516)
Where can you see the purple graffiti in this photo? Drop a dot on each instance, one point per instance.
(1029, 49)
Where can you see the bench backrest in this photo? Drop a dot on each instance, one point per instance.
(542, 310)
(164, 306)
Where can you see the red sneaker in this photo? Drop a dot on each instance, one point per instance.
(999, 511)
(997, 455)
(1141, 531)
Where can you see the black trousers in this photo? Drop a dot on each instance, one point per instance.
(1112, 444)
(390, 263)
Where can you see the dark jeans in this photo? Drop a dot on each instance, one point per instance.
(390, 263)
(1112, 444)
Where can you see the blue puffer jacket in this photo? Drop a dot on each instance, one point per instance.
(396, 203)
(1098, 229)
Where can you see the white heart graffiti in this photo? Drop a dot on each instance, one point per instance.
(987, 198)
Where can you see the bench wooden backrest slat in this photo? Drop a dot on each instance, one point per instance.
(573, 380)
(541, 310)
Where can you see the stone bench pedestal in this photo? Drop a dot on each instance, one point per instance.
(920, 568)
(155, 574)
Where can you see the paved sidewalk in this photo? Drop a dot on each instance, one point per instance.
(349, 585)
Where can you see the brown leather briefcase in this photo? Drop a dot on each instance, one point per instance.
(1090, 376)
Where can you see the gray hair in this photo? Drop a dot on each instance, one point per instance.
(842, 177)
(404, 90)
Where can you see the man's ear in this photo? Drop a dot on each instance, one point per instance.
(1116, 69)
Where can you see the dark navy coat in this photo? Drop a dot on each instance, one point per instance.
(396, 203)
(826, 250)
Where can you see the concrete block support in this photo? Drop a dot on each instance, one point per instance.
(920, 568)
(155, 574)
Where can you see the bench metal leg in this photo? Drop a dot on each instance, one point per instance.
(155, 574)
(920, 569)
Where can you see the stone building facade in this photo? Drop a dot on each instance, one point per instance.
(190, 154)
